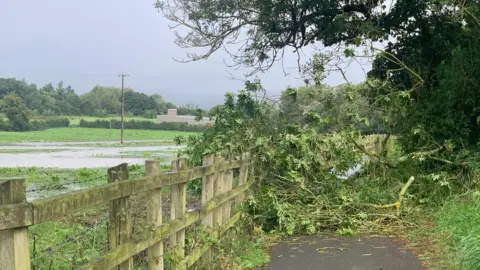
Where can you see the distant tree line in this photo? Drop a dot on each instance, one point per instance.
(21, 101)
(101, 101)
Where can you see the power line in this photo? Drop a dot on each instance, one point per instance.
(123, 75)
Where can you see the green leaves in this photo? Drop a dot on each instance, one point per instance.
(294, 155)
(17, 113)
(271, 26)
(349, 53)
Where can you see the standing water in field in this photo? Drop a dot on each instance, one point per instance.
(80, 155)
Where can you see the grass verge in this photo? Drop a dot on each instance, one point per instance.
(447, 237)
(245, 246)
(458, 225)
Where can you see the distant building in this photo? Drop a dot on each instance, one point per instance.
(172, 117)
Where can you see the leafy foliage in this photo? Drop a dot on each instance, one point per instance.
(16, 112)
(334, 107)
(424, 80)
(146, 125)
(101, 101)
(437, 102)
(107, 99)
(294, 157)
(49, 123)
(139, 103)
(19, 116)
(264, 28)
(304, 142)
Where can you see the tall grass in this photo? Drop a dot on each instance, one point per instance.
(460, 222)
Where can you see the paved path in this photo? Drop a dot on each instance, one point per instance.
(338, 253)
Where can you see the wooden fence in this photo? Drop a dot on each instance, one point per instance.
(218, 195)
(373, 143)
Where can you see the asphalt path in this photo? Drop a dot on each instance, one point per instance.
(341, 253)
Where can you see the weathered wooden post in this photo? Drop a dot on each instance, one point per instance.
(154, 216)
(177, 211)
(207, 195)
(251, 170)
(14, 250)
(218, 189)
(242, 178)
(120, 218)
(377, 144)
(227, 186)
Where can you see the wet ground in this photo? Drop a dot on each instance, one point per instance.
(34, 194)
(339, 253)
(102, 143)
(81, 155)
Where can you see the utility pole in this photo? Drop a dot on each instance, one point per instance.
(123, 75)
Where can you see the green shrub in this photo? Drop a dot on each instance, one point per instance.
(147, 125)
(48, 112)
(4, 125)
(49, 123)
(100, 113)
(38, 124)
(149, 114)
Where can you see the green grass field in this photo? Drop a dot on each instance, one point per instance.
(87, 135)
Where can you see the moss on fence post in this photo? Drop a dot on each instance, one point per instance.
(154, 216)
(120, 220)
(14, 248)
(178, 211)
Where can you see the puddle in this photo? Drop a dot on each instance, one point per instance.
(350, 171)
(75, 155)
(45, 193)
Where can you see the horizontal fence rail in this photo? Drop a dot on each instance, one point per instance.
(27, 214)
(217, 198)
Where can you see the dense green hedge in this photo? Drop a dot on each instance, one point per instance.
(37, 124)
(149, 125)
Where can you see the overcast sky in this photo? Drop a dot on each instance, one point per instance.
(90, 42)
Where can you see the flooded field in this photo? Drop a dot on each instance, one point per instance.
(75, 155)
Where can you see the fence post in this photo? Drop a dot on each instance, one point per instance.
(177, 211)
(251, 171)
(242, 178)
(154, 216)
(227, 186)
(377, 146)
(218, 190)
(14, 250)
(207, 195)
(120, 219)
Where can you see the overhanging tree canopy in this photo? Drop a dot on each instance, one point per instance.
(263, 28)
(422, 38)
